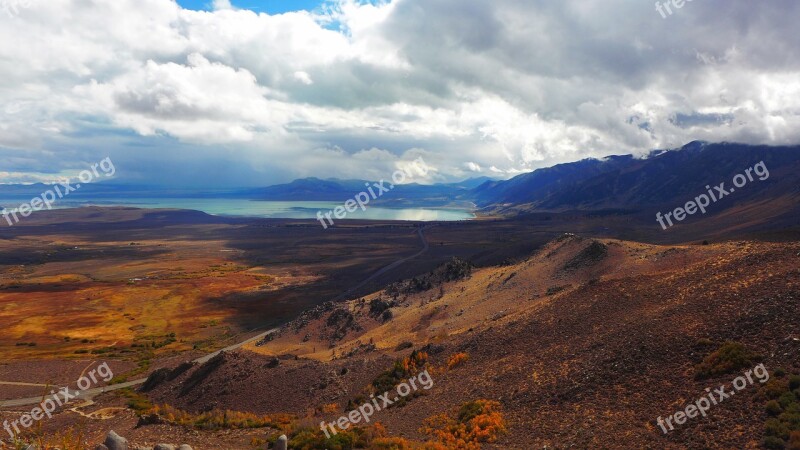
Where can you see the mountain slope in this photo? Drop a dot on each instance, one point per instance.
(667, 179)
(584, 345)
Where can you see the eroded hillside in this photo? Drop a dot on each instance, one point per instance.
(584, 344)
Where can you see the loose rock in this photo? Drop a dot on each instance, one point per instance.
(115, 442)
(282, 443)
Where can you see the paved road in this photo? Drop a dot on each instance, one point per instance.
(91, 393)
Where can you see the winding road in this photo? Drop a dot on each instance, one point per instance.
(91, 393)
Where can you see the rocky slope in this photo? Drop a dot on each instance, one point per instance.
(584, 345)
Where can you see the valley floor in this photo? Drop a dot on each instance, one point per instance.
(555, 341)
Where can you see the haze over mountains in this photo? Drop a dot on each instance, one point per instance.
(663, 179)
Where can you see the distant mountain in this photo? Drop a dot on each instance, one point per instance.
(664, 178)
(307, 189)
(315, 189)
(661, 181)
(473, 183)
(541, 184)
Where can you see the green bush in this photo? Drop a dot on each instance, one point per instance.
(705, 342)
(774, 427)
(729, 358)
(313, 439)
(773, 408)
(137, 402)
(469, 411)
(773, 443)
(783, 430)
(787, 399)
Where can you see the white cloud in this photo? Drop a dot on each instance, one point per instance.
(472, 167)
(303, 77)
(220, 5)
(499, 87)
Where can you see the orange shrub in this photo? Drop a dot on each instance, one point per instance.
(456, 360)
(330, 408)
(391, 443)
(414, 363)
(477, 422)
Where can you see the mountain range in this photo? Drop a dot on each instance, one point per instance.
(661, 179)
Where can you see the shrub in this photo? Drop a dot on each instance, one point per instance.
(773, 443)
(330, 408)
(774, 427)
(774, 388)
(456, 360)
(732, 356)
(477, 422)
(218, 419)
(311, 438)
(391, 443)
(773, 408)
(378, 306)
(794, 440)
(787, 399)
(779, 373)
(794, 382)
(784, 427)
(137, 402)
(705, 342)
(402, 370)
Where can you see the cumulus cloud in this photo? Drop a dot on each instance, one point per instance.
(356, 88)
(221, 5)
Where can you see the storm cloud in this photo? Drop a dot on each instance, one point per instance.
(353, 89)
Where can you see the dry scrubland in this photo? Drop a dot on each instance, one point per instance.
(580, 342)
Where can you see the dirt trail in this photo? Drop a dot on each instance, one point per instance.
(425, 247)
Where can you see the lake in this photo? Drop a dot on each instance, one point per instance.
(265, 209)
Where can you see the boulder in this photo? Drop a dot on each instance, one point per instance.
(115, 442)
(164, 447)
(281, 443)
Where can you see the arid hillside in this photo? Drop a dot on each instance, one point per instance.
(584, 344)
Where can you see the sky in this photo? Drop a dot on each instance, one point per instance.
(252, 93)
(259, 6)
